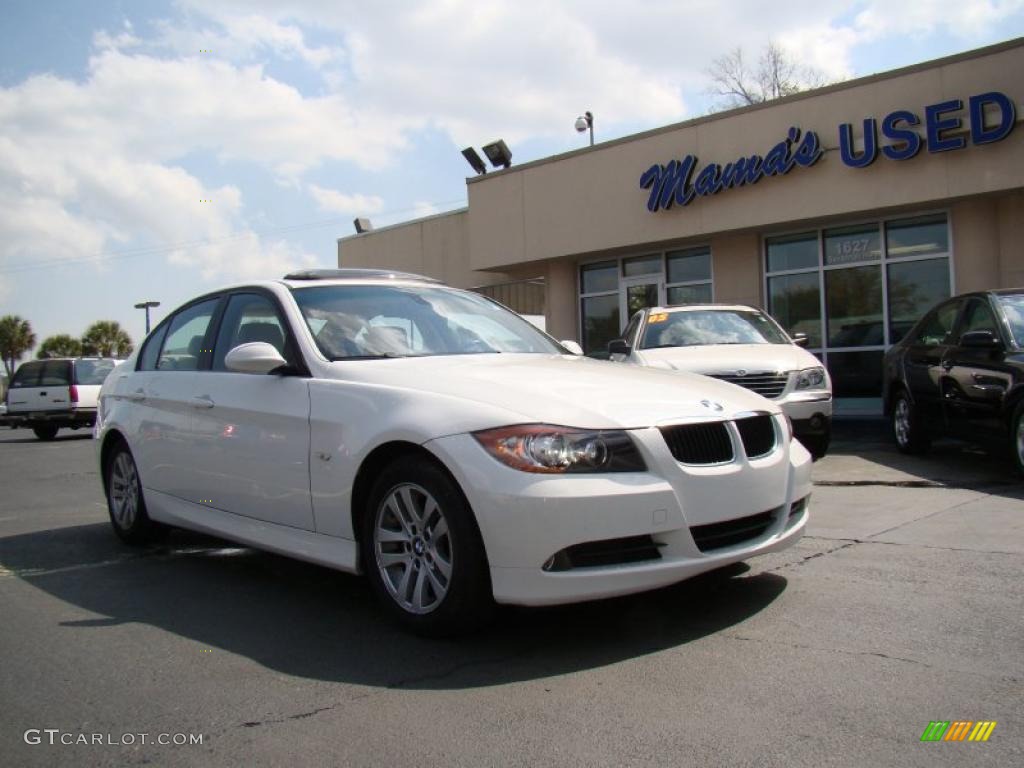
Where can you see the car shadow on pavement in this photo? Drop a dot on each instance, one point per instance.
(312, 622)
(948, 464)
(26, 436)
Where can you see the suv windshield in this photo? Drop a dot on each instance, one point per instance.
(710, 326)
(1013, 308)
(351, 322)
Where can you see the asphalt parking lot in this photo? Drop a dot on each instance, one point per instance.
(901, 606)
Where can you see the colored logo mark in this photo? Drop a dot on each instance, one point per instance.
(958, 730)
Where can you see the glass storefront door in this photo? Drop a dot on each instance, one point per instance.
(639, 293)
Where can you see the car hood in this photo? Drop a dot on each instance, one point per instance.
(729, 358)
(566, 390)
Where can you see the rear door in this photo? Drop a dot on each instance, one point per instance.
(23, 391)
(163, 391)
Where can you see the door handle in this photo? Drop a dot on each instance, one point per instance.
(137, 395)
(202, 401)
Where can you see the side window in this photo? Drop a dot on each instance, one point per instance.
(183, 348)
(27, 375)
(938, 325)
(93, 372)
(249, 317)
(979, 317)
(151, 351)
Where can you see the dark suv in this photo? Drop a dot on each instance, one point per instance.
(959, 372)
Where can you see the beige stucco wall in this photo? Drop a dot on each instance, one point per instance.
(590, 201)
(437, 246)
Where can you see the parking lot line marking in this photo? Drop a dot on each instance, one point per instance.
(31, 573)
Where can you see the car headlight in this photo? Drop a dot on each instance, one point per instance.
(810, 378)
(548, 449)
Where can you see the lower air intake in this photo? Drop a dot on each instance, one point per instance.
(595, 554)
(731, 532)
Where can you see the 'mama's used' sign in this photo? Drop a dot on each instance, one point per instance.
(991, 117)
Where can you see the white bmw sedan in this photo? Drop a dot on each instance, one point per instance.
(383, 423)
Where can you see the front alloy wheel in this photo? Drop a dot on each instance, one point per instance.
(422, 549)
(412, 546)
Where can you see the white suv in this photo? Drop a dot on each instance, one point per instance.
(380, 422)
(741, 345)
(46, 395)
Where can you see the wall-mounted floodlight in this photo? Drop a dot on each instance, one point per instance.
(362, 225)
(474, 160)
(586, 122)
(498, 153)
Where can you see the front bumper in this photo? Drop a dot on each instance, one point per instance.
(809, 412)
(525, 519)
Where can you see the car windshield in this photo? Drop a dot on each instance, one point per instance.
(93, 371)
(1013, 308)
(351, 322)
(710, 326)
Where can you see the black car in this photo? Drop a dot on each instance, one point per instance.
(959, 372)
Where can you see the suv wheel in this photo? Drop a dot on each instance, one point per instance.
(906, 426)
(422, 550)
(125, 501)
(45, 432)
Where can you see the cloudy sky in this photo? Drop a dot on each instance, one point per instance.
(153, 149)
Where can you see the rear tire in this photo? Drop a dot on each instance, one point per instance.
(46, 432)
(125, 502)
(422, 550)
(907, 428)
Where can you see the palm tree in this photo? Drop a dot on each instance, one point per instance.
(108, 339)
(16, 338)
(61, 345)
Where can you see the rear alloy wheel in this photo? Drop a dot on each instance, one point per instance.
(906, 426)
(46, 432)
(422, 550)
(125, 502)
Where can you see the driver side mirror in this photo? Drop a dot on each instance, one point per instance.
(800, 339)
(254, 357)
(619, 347)
(980, 340)
(572, 346)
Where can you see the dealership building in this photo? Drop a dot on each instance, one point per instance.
(844, 211)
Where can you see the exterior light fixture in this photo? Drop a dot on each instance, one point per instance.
(498, 153)
(146, 305)
(474, 160)
(362, 225)
(584, 123)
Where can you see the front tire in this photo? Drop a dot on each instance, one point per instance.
(422, 550)
(1017, 438)
(46, 432)
(907, 428)
(125, 502)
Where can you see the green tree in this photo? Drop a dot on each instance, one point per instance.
(16, 338)
(61, 345)
(108, 339)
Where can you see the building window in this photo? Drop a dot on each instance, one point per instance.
(688, 276)
(612, 291)
(599, 304)
(855, 290)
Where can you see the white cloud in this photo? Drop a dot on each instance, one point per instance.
(337, 202)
